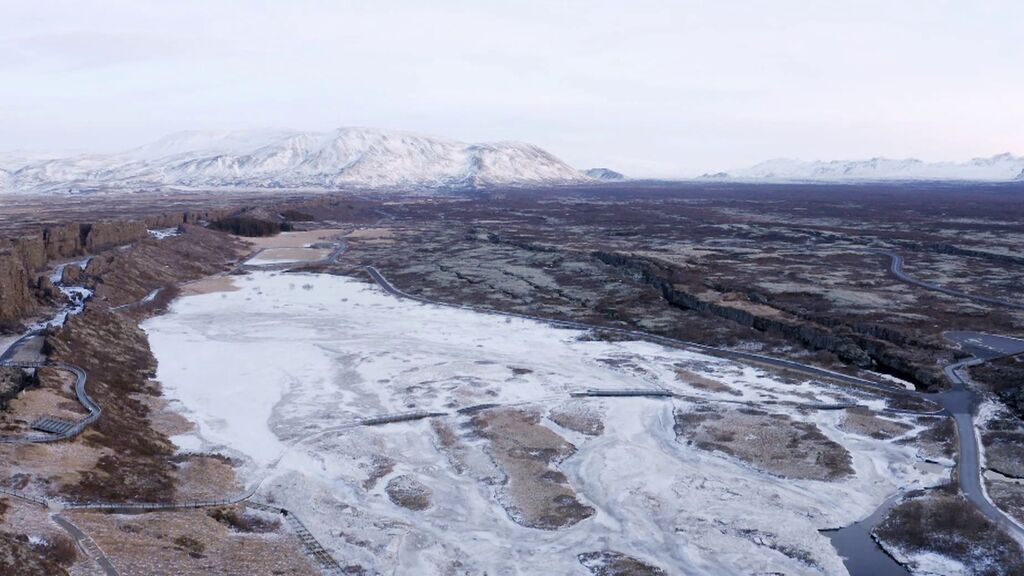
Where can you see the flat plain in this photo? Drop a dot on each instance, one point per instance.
(633, 379)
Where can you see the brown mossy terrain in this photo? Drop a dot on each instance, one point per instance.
(1002, 435)
(19, 556)
(773, 443)
(535, 494)
(578, 416)
(1008, 495)
(195, 542)
(115, 353)
(408, 492)
(1004, 452)
(705, 383)
(943, 522)
(243, 520)
(864, 421)
(48, 556)
(937, 439)
(611, 563)
(1004, 377)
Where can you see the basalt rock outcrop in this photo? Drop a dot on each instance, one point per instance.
(16, 297)
(863, 346)
(102, 235)
(12, 382)
(24, 279)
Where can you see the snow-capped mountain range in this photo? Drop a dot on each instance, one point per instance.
(344, 158)
(1000, 168)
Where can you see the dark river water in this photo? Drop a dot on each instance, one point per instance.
(861, 554)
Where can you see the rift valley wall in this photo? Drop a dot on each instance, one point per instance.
(24, 279)
(867, 346)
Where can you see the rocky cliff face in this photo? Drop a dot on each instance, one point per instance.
(102, 235)
(864, 346)
(12, 382)
(24, 279)
(60, 242)
(16, 297)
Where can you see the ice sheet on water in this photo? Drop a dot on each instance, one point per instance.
(280, 371)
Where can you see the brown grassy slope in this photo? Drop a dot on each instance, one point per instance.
(115, 353)
(21, 557)
(1005, 377)
(127, 276)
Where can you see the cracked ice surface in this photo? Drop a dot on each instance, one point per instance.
(279, 372)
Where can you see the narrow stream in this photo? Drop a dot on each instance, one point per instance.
(75, 304)
(76, 296)
(861, 554)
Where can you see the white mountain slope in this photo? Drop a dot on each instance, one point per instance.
(1000, 168)
(347, 157)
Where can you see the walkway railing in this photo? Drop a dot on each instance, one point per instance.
(95, 411)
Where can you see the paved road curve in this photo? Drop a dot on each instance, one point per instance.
(896, 267)
(961, 401)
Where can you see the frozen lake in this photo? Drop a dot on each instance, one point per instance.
(280, 372)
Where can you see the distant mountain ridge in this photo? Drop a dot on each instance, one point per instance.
(605, 174)
(347, 157)
(999, 168)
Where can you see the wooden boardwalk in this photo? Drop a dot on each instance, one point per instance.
(310, 544)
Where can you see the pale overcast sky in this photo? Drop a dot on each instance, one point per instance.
(651, 88)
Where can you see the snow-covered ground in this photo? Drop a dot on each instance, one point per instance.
(279, 372)
(930, 563)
